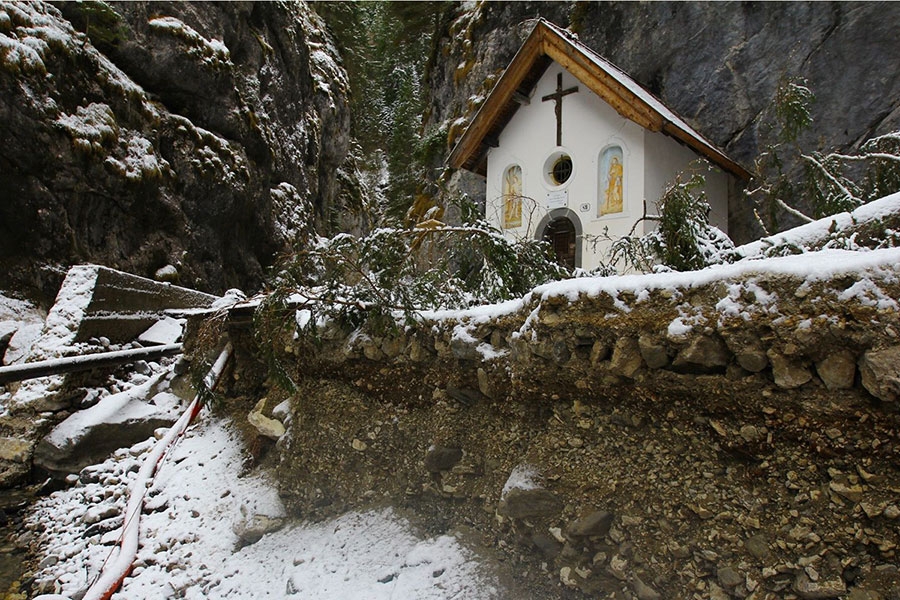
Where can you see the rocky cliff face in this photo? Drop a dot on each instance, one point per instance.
(139, 135)
(716, 64)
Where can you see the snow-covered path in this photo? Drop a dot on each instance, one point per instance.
(188, 547)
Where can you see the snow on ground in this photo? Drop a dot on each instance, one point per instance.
(189, 549)
(23, 318)
(804, 235)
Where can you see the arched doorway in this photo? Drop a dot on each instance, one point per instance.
(561, 234)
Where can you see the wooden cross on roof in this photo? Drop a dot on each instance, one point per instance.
(557, 97)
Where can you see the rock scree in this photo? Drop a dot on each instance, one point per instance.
(746, 458)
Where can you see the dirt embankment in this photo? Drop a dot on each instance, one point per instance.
(731, 438)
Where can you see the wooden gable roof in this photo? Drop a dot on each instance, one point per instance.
(547, 43)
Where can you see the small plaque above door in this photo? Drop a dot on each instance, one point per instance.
(558, 199)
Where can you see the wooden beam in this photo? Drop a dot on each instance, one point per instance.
(521, 98)
(502, 93)
(625, 102)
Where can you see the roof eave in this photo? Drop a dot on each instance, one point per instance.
(546, 41)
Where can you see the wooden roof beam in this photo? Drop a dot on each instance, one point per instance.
(521, 98)
(503, 91)
(601, 83)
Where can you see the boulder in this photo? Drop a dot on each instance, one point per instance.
(442, 458)
(117, 421)
(520, 503)
(653, 353)
(838, 370)
(597, 523)
(880, 371)
(626, 357)
(705, 354)
(788, 373)
(266, 426)
(752, 359)
(250, 530)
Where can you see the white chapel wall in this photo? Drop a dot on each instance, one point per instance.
(589, 126)
(669, 158)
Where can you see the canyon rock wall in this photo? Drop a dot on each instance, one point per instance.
(718, 65)
(205, 137)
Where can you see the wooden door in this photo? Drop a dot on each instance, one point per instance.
(561, 235)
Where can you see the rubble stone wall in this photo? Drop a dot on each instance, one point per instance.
(733, 434)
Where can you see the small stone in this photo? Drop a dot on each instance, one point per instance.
(758, 546)
(576, 442)
(871, 510)
(358, 445)
(594, 524)
(833, 433)
(442, 458)
(717, 593)
(750, 433)
(556, 532)
(141, 367)
(565, 576)
(728, 577)
(818, 590)
(644, 591)
(701, 511)
(892, 512)
(618, 567)
(853, 493)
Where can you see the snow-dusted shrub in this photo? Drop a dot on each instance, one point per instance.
(684, 239)
(831, 182)
(378, 281)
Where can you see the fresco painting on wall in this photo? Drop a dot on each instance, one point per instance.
(612, 169)
(512, 197)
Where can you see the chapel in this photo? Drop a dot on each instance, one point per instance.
(572, 150)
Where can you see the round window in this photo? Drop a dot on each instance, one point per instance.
(558, 169)
(562, 170)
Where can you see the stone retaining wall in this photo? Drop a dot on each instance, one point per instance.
(729, 433)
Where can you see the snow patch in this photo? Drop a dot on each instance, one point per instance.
(188, 546)
(522, 477)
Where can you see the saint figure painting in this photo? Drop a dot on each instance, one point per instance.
(512, 197)
(611, 173)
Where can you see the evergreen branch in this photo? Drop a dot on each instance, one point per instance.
(791, 210)
(829, 177)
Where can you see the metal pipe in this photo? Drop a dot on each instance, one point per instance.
(84, 362)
